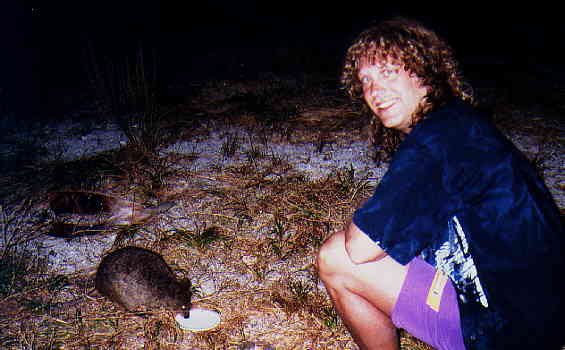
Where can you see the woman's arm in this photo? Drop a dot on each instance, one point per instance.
(360, 247)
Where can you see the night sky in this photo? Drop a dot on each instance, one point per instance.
(214, 38)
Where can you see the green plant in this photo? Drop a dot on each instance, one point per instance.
(147, 171)
(279, 229)
(199, 238)
(126, 233)
(346, 179)
(293, 295)
(254, 153)
(348, 185)
(230, 145)
(57, 282)
(13, 234)
(12, 273)
(330, 317)
(16, 261)
(300, 290)
(280, 244)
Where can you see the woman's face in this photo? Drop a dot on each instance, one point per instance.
(391, 92)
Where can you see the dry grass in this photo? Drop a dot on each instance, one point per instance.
(245, 233)
(248, 247)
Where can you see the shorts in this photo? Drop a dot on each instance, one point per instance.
(415, 309)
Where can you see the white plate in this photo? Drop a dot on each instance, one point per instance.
(199, 320)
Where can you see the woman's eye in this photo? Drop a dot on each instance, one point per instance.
(365, 80)
(390, 72)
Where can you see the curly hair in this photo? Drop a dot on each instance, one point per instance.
(422, 53)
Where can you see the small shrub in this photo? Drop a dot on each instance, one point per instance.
(57, 282)
(12, 272)
(199, 238)
(230, 145)
(330, 318)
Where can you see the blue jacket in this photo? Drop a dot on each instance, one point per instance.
(460, 195)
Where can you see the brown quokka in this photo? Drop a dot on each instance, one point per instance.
(140, 280)
(80, 213)
(106, 208)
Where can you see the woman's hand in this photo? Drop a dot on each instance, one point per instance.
(360, 247)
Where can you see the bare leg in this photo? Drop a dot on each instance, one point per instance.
(370, 327)
(364, 294)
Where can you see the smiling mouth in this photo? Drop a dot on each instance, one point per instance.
(385, 105)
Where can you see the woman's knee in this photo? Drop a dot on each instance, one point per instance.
(332, 254)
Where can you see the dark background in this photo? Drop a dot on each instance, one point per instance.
(45, 40)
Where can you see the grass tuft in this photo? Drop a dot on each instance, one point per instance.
(330, 318)
(230, 146)
(200, 238)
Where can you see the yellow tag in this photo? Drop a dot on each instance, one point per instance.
(436, 290)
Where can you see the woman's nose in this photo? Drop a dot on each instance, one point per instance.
(374, 88)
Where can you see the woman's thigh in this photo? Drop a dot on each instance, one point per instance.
(379, 281)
